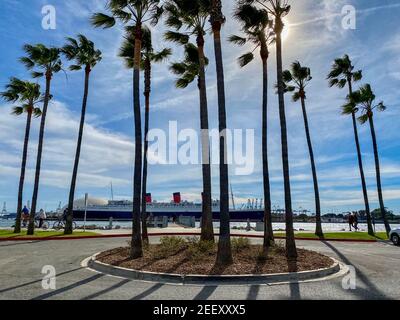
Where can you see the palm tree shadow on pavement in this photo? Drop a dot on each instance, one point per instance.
(37, 281)
(104, 291)
(294, 285)
(372, 292)
(69, 287)
(19, 243)
(205, 293)
(253, 292)
(148, 292)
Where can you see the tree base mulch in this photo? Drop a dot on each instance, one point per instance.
(246, 261)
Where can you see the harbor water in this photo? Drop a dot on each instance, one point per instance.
(278, 226)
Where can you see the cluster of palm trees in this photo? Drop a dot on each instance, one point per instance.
(360, 101)
(45, 62)
(262, 24)
(187, 23)
(186, 19)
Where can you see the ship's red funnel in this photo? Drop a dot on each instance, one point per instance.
(177, 198)
(148, 198)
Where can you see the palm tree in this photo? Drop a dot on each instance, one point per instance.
(280, 9)
(133, 14)
(224, 254)
(188, 71)
(86, 56)
(342, 74)
(149, 56)
(296, 81)
(28, 95)
(364, 100)
(192, 16)
(47, 59)
(257, 28)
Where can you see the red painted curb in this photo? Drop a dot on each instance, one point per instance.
(170, 234)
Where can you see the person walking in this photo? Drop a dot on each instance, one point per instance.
(42, 218)
(25, 216)
(355, 221)
(351, 221)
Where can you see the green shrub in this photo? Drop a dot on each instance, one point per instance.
(261, 256)
(169, 246)
(239, 244)
(279, 247)
(198, 249)
(172, 242)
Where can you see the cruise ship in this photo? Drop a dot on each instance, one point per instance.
(119, 210)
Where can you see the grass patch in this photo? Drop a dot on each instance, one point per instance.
(342, 235)
(43, 234)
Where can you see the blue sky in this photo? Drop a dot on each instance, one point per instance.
(316, 37)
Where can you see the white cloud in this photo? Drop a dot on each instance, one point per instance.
(103, 151)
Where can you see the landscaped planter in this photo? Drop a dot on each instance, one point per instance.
(101, 267)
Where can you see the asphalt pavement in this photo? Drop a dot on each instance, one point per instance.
(376, 266)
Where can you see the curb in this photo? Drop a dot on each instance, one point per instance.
(255, 236)
(166, 278)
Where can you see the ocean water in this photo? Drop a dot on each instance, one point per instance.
(278, 226)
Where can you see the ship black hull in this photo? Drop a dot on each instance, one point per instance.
(237, 215)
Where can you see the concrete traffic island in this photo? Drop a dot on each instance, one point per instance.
(182, 262)
(320, 274)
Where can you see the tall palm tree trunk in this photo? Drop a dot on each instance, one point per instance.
(17, 228)
(70, 213)
(291, 249)
(361, 168)
(31, 227)
(207, 232)
(136, 244)
(147, 84)
(224, 255)
(378, 175)
(318, 229)
(268, 231)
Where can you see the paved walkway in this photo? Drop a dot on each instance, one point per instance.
(377, 268)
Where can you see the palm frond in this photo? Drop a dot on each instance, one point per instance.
(182, 83)
(296, 96)
(287, 76)
(240, 41)
(37, 112)
(178, 68)
(17, 111)
(381, 106)
(363, 118)
(75, 67)
(176, 37)
(161, 55)
(29, 64)
(83, 51)
(45, 58)
(101, 20)
(36, 75)
(357, 76)
(245, 59)
(349, 108)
